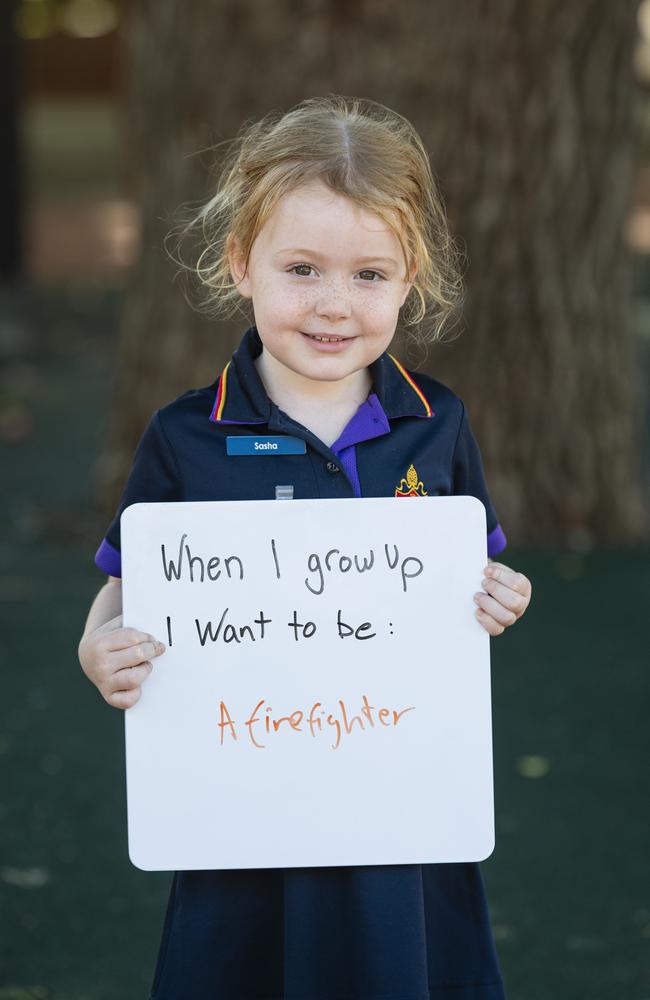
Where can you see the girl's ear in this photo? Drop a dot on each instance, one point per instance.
(409, 284)
(238, 269)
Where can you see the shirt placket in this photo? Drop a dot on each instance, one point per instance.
(368, 422)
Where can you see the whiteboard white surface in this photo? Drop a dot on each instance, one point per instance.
(243, 750)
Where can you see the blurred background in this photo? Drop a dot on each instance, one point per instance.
(537, 119)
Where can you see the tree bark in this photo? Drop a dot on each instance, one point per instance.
(529, 113)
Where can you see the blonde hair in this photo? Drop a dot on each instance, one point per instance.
(358, 148)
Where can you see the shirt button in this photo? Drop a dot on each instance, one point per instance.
(331, 467)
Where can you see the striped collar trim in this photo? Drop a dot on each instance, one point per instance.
(220, 398)
(428, 412)
(229, 394)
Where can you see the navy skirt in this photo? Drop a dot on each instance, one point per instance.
(387, 932)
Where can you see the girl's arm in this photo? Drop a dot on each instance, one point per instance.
(117, 660)
(107, 605)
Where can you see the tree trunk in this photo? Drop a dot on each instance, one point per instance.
(537, 163)
(528, 111)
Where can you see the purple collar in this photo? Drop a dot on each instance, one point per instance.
(370, 421)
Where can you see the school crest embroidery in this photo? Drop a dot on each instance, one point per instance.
(411, 486)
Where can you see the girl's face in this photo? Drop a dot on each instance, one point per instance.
(327, 279)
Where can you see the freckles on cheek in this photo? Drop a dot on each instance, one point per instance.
(382, 314)
(296, 304)
(287, 310)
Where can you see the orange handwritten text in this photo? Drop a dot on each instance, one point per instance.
(262, 723)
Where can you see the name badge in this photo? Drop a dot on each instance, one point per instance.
(250, 444)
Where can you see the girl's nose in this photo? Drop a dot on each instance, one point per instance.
(333, 301)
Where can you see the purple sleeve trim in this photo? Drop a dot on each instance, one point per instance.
(108, 559)
(496, 541)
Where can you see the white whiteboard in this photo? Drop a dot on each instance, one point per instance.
(243, 750)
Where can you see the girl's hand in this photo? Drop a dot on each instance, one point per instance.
(508, 596)
(117, 660)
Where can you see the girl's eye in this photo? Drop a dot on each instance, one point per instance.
(302, 270)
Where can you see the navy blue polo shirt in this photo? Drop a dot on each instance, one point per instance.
(411, 437)
(376, 932)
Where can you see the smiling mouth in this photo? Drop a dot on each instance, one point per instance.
(325, 340)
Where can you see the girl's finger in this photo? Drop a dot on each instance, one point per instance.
(124, 638)
(509, 577)
(129, 678)
(488, 622)
(503, 616)
(513, 600)
(123, 699)
(132, 655)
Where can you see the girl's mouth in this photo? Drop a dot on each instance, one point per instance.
(326, 344)
(324, 338)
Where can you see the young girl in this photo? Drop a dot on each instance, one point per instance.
(327, 220)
